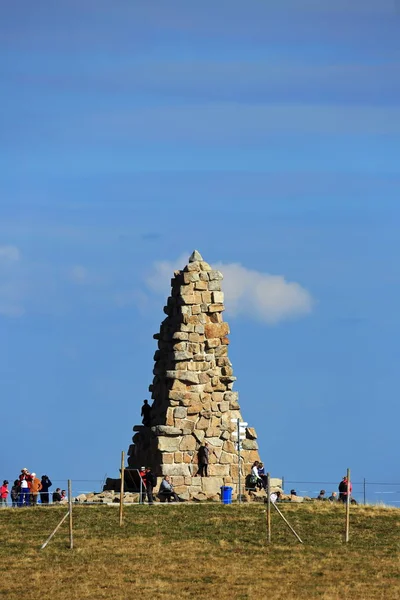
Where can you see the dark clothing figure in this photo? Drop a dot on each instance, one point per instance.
(262, 475)
(44, 492)
(321, 495)
(344, 489)
(151, 482)
(57, 495)
(142, 475)
(203, 457)
(15, 493)
(146, 414)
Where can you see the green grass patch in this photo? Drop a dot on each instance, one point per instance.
(201, 551)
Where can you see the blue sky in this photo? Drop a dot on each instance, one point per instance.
(267, 138)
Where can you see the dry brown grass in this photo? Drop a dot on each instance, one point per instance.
(201, 552)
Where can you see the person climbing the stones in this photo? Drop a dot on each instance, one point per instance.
(146, 413)
(203, 456)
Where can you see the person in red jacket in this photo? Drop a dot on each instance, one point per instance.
(4, 494)
(25, 480)
(142, 474)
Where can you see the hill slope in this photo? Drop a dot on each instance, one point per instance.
(200, 551)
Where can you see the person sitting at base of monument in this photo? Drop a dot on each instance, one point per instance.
(166, 491)
(274, 497)
(261, 473)
(56, 496)
(255, 478)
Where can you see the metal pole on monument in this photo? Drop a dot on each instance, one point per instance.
(239, 434)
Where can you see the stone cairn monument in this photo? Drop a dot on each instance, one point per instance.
(193, 401)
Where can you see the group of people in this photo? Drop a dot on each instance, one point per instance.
(28, 489)
(258, 479)
(345, 488)
(166, 491)
(257, 476)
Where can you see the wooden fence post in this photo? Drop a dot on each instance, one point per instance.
(268, 508)
(121, 496)
(71, 536)
(348, 506)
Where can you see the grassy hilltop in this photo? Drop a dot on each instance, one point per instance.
(202, 552)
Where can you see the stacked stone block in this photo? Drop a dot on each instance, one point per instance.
(192, 390)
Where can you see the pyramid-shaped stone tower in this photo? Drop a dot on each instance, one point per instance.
(192, 391)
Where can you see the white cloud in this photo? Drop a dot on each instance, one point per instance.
(253, 294)
(78, 274)
(9, 254)
(261, 296)
(159, 279)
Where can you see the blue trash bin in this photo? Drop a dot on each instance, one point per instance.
(226, 494)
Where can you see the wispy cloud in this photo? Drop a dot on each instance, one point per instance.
(250, 293)
(78, 274)
(231, 122)
(266, 81)
(265, 297)
(9, 254)
(11, 287)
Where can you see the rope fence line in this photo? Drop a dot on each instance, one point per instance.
(365, 491)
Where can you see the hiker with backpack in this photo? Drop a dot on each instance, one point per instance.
(150, 481)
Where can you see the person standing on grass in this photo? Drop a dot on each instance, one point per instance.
(142, 475)
(44, 492)
(4, 494)
(36, 486)
(151, 482)
(203, 456)
(344, 489)
(15, 493)
(25, 480)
